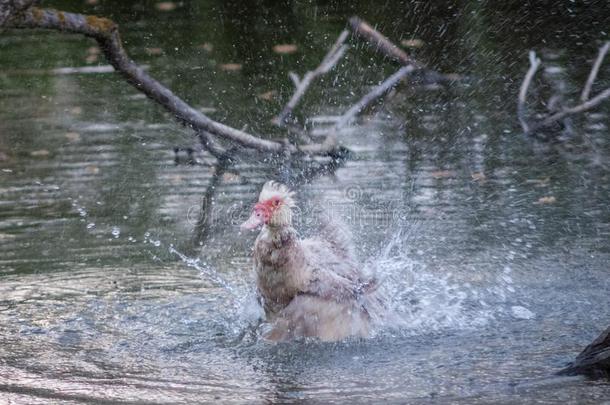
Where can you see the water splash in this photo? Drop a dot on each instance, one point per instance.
(244, 311)
(421, 300)
(206, 270)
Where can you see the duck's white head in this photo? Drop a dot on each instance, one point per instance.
(274, 207)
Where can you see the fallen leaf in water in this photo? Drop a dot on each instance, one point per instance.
(453, 77)
(39, 153)
(543, 182)
(153, 51)
(166, 6)
(76, 110)
(206, 46)
(72, 136)
(3, 157)
(91, 58)
(478, 176)
(176, 179)
(92, 2)
(412, 43)
(230, 178)
(285, 49)
(442, 174)
(546, 200)
(429, 211)
(268, 95)
(94, 50)
(92, 169)
(230, 67)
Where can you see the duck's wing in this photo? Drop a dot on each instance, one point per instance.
(333, 276)
(339, 238)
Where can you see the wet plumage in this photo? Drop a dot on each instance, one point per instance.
(310, 287)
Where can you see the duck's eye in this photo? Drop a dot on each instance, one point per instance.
(276, 202)
(258, 214)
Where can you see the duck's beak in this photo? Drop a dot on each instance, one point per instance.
(252, 223)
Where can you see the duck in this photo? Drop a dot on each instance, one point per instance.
(309, 288)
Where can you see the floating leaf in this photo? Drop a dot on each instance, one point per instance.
(39, 153)
(285, 49)
(480, 176)
(92, 2)
(230, 67)
(176, 179)
(153, 51)
(166, 6)
(230, 178)
(268, 95)
(91, 58)
(412, 43)
(546, 200)
(442, 174)
(206, 46)
(72, 136)
(92, 169)
(543, 182)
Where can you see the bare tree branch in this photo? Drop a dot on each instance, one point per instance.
(594, 70)
(330, 60)
(554, 117)
(208, 142)
(105, 32)
(587, 105)
(202, 227)
(381, 43)
(527, 80)
(373, 95)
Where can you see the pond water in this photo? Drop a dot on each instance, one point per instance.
(493, 247)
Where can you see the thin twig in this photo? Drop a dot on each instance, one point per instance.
(381, 43)
(587, 105)
(527, 80)
(373, 95)
(330, 60)
(202, 227)
(295, 78)
(594, 70)
(209, 144)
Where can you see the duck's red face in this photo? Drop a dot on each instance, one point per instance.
(262, 213)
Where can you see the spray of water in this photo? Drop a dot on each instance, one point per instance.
(418, 299)
(421, 300)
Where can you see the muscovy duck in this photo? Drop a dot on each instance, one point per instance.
(309, 287)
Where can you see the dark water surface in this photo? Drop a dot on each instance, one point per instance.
(494, 248)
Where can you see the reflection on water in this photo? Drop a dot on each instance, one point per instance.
(493, 248)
